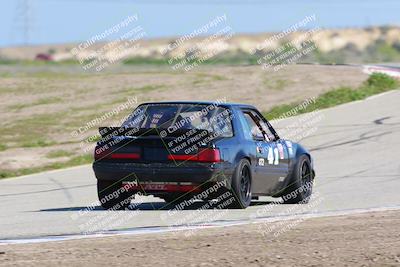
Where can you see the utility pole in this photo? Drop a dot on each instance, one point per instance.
(23, 20)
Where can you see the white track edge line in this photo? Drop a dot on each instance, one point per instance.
(218, 224)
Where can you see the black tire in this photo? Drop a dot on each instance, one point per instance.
(112, 195)
(300, 188)
(241, 185)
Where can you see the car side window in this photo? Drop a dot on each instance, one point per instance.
(253, 128)
(245, 126)
(270, 137)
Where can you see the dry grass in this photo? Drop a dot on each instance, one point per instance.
(41, 107)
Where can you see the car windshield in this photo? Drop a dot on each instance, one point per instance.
(182, 116)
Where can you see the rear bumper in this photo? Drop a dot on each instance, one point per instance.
(161, 172)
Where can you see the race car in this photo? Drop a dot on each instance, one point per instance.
(204, 151)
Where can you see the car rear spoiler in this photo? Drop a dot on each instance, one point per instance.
(108, 132)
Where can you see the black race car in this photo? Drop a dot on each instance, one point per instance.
(199, 150)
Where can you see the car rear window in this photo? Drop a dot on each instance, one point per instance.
(212, 118)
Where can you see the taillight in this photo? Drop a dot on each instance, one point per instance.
(100, 153)
(209, 155)
(204, 155)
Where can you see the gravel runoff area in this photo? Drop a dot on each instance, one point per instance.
(368, 239)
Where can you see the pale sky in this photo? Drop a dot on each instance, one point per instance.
(61, 21)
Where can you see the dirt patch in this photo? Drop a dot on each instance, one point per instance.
(371, 239)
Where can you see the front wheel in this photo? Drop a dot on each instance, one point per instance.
(241, 185)
(300, 189)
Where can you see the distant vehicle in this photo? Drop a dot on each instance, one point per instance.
(44, 57)
(176, 150)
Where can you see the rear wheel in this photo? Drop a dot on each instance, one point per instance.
(241, 185)
(300, 189)
(112, 195)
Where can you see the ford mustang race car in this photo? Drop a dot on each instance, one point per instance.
(202, 150)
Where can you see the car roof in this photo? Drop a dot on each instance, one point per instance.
(217, 103)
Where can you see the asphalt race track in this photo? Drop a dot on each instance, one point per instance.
(356, 147)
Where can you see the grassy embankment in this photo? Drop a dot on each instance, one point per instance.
(377, 83)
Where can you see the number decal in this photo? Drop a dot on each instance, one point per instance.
(290, 148)
(276, 153)
(270, 156)
(281, 152)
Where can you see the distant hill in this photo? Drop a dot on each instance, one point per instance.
(351, 45)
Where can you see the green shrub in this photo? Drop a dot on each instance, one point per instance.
(381, 81)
